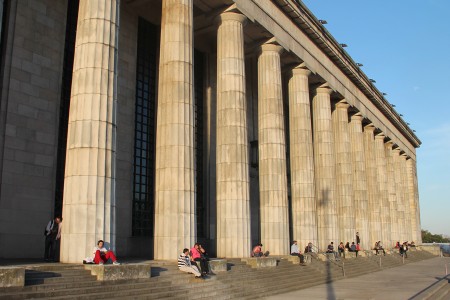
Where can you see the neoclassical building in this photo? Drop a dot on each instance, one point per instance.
(153, 124)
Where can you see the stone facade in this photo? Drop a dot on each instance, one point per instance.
(250, 94)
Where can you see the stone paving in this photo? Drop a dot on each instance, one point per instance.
(411, 281)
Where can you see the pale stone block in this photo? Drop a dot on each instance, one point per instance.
(217, 265)
(119, 272)
(261, 262)
(12, 277)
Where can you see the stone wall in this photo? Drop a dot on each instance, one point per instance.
(29, 122)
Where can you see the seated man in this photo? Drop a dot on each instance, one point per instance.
(257, 251)
(198, 256)
(102, 255)
(296, 252)
(184, 264)
(308, 249)
(330, 249)
(353, 248)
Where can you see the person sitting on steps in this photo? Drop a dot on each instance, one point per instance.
(353, 248)
(102, 255)
(198, 257)
(330, 249)
(257, 251)
(296, 252)
(184, 264)
(341, 250)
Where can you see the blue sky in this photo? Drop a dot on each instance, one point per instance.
(405, 46)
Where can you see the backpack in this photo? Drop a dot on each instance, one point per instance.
(45, 229)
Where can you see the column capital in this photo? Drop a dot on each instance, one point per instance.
(271, 46)
(380, 136)
(357, 117)
(301, 69)
(231, 16)
(369, 128)
(342, 105)
(396, 150)
(324, 89)
(389, 145)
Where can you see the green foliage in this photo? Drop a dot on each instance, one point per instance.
(428, 237)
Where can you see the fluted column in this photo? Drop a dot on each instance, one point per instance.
(385, 210)
(233, 197)
(89, 191)
(414, 201)
(359, 180)
(412, 198)
(272, 153)
(302, 159)
(175, 225)
(344, 174)
(395, 237)
(399, 195)
(324, 168)
(372, 186)
(406, 198)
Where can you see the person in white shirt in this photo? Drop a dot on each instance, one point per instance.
(296, 252)
(184, 264)
(102, 255)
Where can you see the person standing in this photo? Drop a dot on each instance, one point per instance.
(52, 238)
(358, 240)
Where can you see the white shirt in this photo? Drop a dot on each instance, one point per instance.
(294, 248)
(102, 250)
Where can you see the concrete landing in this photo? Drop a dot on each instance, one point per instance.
(411, 281)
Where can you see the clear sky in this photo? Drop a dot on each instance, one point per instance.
(405, 46)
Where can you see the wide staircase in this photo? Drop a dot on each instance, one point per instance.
(239, 282)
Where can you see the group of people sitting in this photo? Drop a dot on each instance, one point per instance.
(347, 247)
(189, 261)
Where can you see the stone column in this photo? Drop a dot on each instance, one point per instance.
(399, 195)
(406, 198)
(272, 153)
(385, 209)
(391, 193)
(359, 180)
(175, 225)
(232, 158)
(89, 191)
(344, 173)
(412, 198)
(301, 159)
(372, 186)
(324, 168)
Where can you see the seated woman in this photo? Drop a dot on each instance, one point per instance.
(341, 249)
(102, 255)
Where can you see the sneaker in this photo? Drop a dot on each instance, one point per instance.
(100, 263)
(116, 263)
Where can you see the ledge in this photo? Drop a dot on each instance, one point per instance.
(260, 262)
(217, 265)
(12, 277)
(113, 272)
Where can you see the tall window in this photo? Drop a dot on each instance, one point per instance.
(69, 51)
(199, 137)
(145, 130)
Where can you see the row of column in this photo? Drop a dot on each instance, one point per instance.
(343, 178)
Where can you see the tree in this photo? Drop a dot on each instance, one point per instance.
(428, 237)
